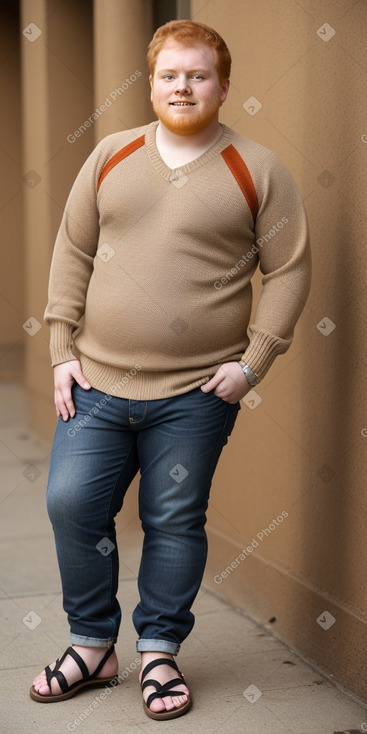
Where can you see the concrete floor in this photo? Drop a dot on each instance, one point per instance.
(244, 681)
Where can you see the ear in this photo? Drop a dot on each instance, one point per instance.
(151, 87)
(224, 89)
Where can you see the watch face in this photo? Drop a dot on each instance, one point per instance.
(251, 378)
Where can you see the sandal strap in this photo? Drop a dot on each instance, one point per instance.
(162, 687)
(103, 661)
(163, 694)
(159, 661)
(59, 677)
(56, 672)
(79, 661)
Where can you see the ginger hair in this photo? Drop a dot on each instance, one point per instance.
(189, 33)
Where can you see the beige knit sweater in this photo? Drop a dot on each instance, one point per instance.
(150, 278)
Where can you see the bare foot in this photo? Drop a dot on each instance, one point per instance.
(92, 656)
(163, 674)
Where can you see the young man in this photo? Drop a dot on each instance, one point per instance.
(162, 232)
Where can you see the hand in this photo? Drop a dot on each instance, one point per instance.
(65, 375)
(229, 383)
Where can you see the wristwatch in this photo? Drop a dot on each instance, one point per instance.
(251, 376)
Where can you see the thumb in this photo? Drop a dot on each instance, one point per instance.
(79, 377)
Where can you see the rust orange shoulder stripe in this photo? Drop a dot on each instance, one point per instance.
(119, 156)
(238, 168)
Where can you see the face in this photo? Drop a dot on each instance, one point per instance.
(186, 91)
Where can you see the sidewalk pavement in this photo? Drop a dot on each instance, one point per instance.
(243, 680)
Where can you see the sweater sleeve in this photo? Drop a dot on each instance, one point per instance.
(72, 261)
(283, 248)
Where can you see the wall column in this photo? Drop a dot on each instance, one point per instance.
(57, 96)
(122, 32)
(36, 207)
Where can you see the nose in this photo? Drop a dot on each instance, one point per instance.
(183, 86)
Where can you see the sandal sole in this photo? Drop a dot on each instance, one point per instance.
(160, 715)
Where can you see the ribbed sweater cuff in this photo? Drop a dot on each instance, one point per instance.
(262, 350)
(61, 342)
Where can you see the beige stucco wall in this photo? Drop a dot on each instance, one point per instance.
(302, 450)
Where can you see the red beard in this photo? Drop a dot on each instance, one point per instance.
(186, 124)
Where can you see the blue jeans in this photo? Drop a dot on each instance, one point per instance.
(176, 444)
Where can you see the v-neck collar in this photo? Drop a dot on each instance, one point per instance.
(166, 172)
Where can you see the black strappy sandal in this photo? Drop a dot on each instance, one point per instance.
(163, 690)
(69, 691)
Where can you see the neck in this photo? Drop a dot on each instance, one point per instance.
(204, 138)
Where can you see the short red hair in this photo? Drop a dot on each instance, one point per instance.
(188, 33)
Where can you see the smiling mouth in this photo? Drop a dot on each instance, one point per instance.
(183, 104)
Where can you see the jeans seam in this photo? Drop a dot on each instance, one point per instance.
(134, 421)
(224, 425)
(219, 445)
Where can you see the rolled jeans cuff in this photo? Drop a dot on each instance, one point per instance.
(145, 645)
(91, 641)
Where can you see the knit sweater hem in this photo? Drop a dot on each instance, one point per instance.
(136, 384)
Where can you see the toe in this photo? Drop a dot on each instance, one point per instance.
(179, 701)
(42, 689)
(157, 705)
(40, 684)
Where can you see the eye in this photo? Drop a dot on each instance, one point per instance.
(168, 76)
(198, 76)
